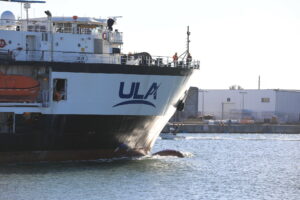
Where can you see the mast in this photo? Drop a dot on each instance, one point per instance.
(27, 5)
(186, 53)
(188, 40)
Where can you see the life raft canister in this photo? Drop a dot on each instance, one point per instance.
(2, 43)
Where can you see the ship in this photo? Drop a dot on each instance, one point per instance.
(67, 92)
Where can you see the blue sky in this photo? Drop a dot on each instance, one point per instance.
(236, 40)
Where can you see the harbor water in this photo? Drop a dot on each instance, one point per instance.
(216, 166)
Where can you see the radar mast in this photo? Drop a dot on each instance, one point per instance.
(188, 40)
(27, 5)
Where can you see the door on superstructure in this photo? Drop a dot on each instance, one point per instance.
(7, 122)
(31, 47)
(98, 46)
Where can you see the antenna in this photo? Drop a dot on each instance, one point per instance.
(26, 4)
(187, 52)
(188, 40)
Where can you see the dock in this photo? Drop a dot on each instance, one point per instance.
(234, 128)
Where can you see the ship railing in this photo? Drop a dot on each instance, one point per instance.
(87, 57)
(166, 61)
(45, 26)
(62, 56)
(115, 37)
(84, 57)
(39, 26)
(160, 61)
(24, 25)
(8, 24)
(85, 31)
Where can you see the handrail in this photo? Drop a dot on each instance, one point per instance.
(87, 57)
(163, 61)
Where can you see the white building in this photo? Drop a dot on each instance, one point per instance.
(259, 105)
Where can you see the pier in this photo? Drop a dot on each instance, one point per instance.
(188, 127)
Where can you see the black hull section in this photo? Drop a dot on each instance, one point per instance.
(75, 137)
(66, 155)
(104, 68)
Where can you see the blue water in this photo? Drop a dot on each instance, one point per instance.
(216, 166)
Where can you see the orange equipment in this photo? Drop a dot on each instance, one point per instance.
(18, 88)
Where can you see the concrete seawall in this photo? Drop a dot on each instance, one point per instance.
(236, 128)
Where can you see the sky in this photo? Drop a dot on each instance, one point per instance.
(236, 40)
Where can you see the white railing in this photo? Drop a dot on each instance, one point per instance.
(46, 26)
(68, 57)
(24, 25)
(11, 25)
(83, 57)
(161, 61)
(86, 58)
(115, 37)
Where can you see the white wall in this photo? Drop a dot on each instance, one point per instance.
(17, 39)
(288, 105)
(73, 42)
(215, 103)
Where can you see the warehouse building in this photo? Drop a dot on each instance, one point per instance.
(282, 106)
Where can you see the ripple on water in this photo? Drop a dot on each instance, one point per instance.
(218, 166)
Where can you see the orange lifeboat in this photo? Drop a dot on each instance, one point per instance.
(18, 88)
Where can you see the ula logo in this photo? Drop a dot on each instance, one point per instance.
(134, 96)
